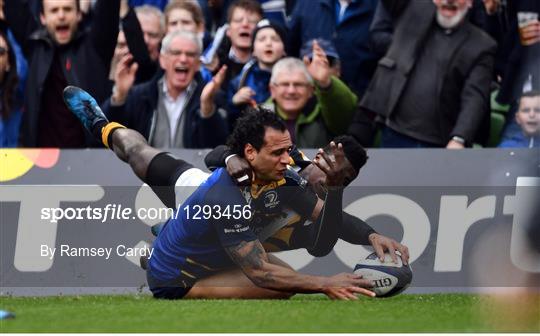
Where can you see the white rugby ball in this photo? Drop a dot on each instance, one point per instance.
(388, 278)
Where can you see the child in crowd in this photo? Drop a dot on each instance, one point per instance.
(528, 119)
(250, 87)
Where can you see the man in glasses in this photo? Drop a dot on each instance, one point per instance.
(314, 104)
(175, 110)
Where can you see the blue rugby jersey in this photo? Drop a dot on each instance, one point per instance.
(190, 248)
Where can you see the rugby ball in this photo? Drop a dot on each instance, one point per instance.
(388, 278)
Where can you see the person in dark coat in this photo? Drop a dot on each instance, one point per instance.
(174, 110)
(235, 51)
(432, 88)
(60, 54)
(519, 58)
(348, 29)
(485, 14)
(251, 86)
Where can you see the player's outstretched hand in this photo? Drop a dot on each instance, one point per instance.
(382, 243)
(240, 170)
(333, 165)
(346, 286)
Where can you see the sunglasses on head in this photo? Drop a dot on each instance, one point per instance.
(3, 50)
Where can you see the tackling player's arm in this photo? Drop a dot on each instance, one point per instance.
(237, 167)
(328, 213)
(253, 260)
(216, 157)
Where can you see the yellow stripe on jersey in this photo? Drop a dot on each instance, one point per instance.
(304, 156)
(284, 234)
(293, 219)
(277, 245)
(281, 239)
(269, 247)
(188, 274)
(193, 262)
(257, 190)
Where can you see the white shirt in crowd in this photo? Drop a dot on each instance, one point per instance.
(174, 108)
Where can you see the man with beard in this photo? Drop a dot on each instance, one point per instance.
(59, 54)
(432, 87)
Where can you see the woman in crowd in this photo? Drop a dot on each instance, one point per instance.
(10, 111)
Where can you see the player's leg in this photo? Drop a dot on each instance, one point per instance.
(154, 167)
(234, 284)
(129, 145)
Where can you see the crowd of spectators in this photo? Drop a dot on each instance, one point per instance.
(391, 73)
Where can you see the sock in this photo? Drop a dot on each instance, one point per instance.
(107, 132)
(98, 127)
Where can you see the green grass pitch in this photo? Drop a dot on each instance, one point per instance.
(303, 313)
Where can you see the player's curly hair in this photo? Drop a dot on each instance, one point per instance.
(251, 127)
(355, 153)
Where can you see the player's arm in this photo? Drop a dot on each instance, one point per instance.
(21, 21)
(104, 31)
(135, 41)
(253, 260)
(355, 231)
(237, 167)
(328, 220)
(330, 217)
(326, 214)
(216, 157)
